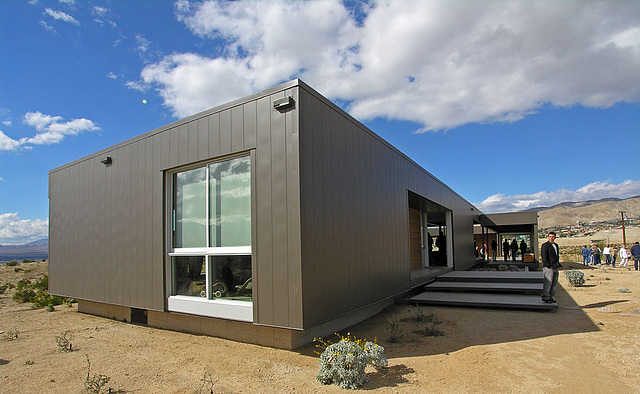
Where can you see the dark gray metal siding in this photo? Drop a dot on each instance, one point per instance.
(354, 213)
(107, 226)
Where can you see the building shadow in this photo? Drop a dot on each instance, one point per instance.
(467, 327)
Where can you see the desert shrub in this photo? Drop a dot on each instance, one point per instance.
(95, 383)
(575, 277)
(36, 293)
(5, 287)
(12, 263)
(624, 290)
(344, 363)
(394, 332)
(431, 329)
(11, 335)
(64, 342)
(207, 384)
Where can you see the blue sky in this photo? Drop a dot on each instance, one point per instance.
(512, 104)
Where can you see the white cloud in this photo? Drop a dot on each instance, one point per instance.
(112, 75)
(48, 27)
(7, 143)
(61, 16)
(50, 130)
(439, 63)
(14, 230)
(593, 191)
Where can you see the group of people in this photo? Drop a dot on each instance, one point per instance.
(509, 249)
(550, 255)
(592, 256)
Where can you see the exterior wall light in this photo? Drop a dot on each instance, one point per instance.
(283, 103)
(106, 161)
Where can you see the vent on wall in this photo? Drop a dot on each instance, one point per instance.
(139, 316)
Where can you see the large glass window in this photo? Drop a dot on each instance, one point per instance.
(211, 243)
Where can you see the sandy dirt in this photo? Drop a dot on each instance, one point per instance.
(578, 349)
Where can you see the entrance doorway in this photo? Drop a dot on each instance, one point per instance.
(430, 239)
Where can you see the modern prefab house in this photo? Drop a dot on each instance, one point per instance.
(272, 219)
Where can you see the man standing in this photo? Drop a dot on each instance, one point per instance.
(607, 254)
(550, 265)
(635, 253)
(505, 249)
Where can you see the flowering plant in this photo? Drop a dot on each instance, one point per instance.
(344, 362)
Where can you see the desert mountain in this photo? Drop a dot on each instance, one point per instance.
(34, 251)
(605, 210)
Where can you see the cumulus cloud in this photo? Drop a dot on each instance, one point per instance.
(14, 230)
(593, 191)
(61, 16)
(441, 64)
(50, 130)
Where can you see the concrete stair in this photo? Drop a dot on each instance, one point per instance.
(486, 289)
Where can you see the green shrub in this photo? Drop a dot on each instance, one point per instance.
(575, 277)
(36, 293)
(344, 363)
(12, 264)
(5, 287)
(64, 342)
(394, 331)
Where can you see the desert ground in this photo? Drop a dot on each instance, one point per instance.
(591, 344)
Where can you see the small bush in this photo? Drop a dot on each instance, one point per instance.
(207, 384)
(5, 287)
(36, 293)
(624, 290)
(503, 267)
(95, 383)
(575, 277)
(394, 331)
(344, 363)
(12, 264)
(11, 335)
(64, 342)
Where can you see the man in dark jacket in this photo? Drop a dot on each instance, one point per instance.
(635, 253)
(550, 255)
(505, 249)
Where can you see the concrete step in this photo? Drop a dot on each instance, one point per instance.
(499, 287)
(491, 276)
(505, 301)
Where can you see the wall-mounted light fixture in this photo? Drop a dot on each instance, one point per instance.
(106, 161)
(283, 103)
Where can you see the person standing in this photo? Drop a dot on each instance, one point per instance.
(585, 255)
(550, 255)
(514, 249)
(596, 255)
(613, 255)
(494, 249)
(635, 253)
(624, 256)
(523, 249)
(607, 254)
(505, 249)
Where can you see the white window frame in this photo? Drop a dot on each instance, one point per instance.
(205, 306)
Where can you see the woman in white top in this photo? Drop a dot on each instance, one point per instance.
(624, 256)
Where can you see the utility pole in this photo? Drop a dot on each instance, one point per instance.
(624, 235)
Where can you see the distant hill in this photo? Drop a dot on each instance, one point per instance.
(37, 250)
(605, 210)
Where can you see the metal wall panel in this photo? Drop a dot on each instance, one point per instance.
(107, 222)
(355, 214)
